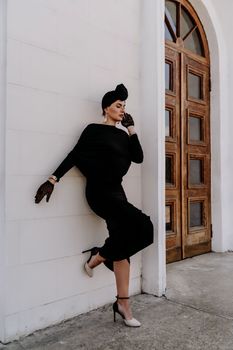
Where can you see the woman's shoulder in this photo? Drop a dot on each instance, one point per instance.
(107, 128)
(98, 129)
(93, 129)
(89, 127)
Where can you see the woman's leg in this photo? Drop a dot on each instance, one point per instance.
(95, 261)
(122, 272)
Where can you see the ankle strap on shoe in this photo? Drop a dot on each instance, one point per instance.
(121, 297)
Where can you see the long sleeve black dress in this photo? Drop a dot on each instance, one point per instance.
(103, 154)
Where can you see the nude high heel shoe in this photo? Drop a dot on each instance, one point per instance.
(87, 269)
(130, 323)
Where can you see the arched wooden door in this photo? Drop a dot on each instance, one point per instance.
(187, 119)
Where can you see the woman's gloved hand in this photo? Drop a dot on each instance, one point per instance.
(45, 189)
(127, 120)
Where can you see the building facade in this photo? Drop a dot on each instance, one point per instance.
(58, 58)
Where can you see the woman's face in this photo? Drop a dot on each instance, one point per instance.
(115, 112)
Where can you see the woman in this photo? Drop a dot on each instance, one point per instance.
(104, 154)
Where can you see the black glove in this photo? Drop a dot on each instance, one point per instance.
(127, 120)
(45, 189)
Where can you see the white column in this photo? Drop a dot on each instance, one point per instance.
(153, 135)
(2, 159)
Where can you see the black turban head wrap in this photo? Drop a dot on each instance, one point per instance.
(120, 93)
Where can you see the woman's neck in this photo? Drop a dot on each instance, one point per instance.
(109, 122)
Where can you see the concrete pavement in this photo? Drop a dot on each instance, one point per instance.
(195, 314)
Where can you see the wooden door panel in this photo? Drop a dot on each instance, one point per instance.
(173, 233)
(171, 121)
(173, 227)
(196, 126)
(187, 120)
(196, 160)
(188, 224)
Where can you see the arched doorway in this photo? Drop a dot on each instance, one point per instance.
(187, 116)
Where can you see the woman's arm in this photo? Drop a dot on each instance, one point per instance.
(135, 149)
(47, 187)
(66, 164)
(134, 144)
(71, 159)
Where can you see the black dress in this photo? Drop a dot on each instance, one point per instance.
(104, 154)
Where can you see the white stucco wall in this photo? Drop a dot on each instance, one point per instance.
(62, 56)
